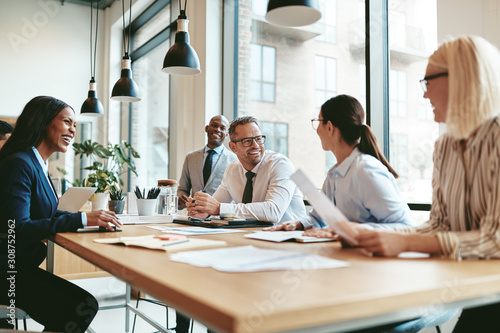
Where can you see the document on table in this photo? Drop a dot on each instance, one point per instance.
(252, 259)
(193, 231)
(136, 219)
(281, 236)
(325, 208)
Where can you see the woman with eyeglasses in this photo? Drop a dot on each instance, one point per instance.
(463, 85)
(362, 184)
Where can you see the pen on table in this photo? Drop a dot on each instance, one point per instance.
(175, 242)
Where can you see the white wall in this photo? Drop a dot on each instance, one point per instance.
(45, 51)
(476, 17)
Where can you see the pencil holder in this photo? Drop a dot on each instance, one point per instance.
(146, 207)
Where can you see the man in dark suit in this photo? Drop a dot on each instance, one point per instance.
(203, 168)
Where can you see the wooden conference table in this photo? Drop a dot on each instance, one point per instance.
(370, 291)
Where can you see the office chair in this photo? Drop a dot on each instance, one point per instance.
(19, 314)
(153, 301)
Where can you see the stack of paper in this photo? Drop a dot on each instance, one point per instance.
(251, 259)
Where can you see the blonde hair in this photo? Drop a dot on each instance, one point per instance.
(473, 67)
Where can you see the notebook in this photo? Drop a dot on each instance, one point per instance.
(74, 198)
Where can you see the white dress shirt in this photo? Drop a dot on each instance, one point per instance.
(276, 198)
(366, 192)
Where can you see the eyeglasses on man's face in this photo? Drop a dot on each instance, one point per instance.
(425, 81)
(315, 122)
(247, 142)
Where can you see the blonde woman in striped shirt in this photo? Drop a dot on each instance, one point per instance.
(462, 82)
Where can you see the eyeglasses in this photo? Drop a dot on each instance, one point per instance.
(315, 122)
(425, 81)
(247, 142)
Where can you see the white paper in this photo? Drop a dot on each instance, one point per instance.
(193, 231)
(251, 259)
(325, 208)
(281, 236)
(136, 219)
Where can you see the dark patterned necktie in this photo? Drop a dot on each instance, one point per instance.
(207, 168)
(248, 192)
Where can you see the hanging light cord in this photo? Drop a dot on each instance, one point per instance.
(126, 49)
(92, 68)
(183, 11)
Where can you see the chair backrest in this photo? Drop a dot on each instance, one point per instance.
(5, 312)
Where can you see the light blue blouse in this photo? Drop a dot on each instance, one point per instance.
(365, 192)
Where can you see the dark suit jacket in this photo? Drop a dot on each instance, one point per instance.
(26, 197)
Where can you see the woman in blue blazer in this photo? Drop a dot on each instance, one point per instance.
(28, 215)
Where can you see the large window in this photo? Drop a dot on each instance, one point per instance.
(147, 122)
(263, 72)
(397, 93)
(276, 136)
(297, 69)
(328, 21)
(316, 62)
(413, 37)
(326, 79)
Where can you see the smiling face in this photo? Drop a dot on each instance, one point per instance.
(437, 93)
(217, 131)
(248, 156)
(60, 132)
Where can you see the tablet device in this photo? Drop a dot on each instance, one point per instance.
(74, 198)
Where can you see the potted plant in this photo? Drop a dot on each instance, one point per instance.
(108, 164)
(116, 202)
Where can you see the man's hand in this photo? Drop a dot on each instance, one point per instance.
(182, 201)
(287, 226)
(321, 233)
(202, 204)
(102, 218)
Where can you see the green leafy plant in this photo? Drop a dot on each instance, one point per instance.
(108, 163)
(115, 193)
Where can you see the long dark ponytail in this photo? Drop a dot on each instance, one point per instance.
(347, 114)
(31, 126)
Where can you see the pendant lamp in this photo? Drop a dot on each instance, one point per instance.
(181, 58)
(92, 106)
(125, 89)
(293, 13)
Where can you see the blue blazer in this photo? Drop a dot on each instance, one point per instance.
(26, 197)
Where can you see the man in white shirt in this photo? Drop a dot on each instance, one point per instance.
(256, 186)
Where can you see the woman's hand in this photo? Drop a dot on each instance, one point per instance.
(382, 242)
(286, 226)
(103, 218)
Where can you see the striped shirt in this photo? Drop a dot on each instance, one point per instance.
(465, 213)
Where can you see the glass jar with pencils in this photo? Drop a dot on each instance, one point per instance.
(167, 199)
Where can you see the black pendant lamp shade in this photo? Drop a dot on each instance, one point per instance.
(92, 105)
(181, 58)
(293, 13)
(125, 89)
